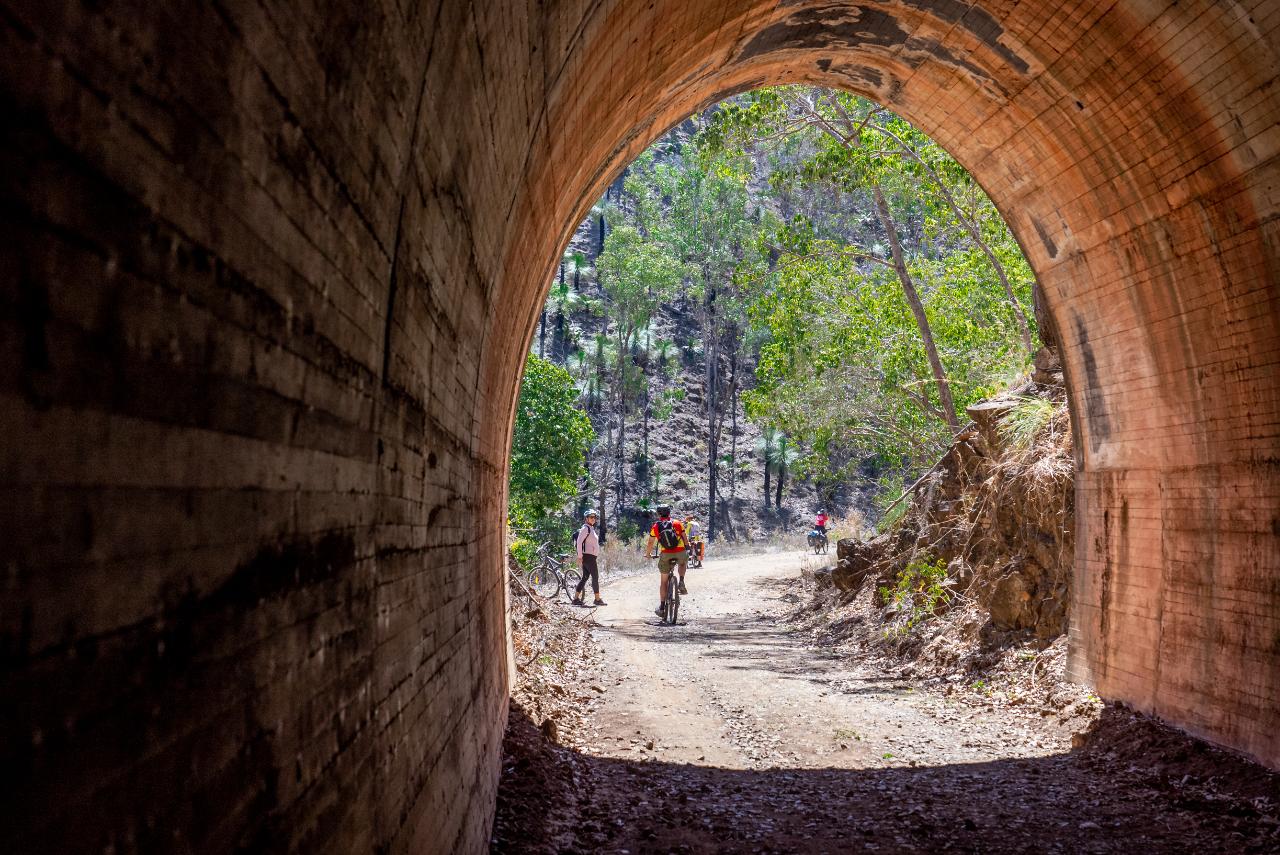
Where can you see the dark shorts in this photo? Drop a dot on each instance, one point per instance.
(668, 559)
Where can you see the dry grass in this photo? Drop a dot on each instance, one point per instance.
(623, 559)
(1041, 464)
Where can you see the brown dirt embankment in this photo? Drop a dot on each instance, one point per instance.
(971, 585)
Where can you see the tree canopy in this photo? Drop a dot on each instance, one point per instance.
(548, 449)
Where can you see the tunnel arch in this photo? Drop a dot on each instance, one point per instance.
(270, 276)
(1106, 225)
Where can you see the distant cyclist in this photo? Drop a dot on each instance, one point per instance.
(820, 522)
(668, 536)
(697, 548)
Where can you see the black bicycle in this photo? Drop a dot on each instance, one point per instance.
(671, 606)
(549, 575)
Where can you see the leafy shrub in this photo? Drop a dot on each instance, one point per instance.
(628, 530)
(922, 588)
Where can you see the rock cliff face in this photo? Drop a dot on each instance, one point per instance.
(994, 519)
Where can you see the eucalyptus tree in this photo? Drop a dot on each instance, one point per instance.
(853, 380)
(636, 276)
(701, 208)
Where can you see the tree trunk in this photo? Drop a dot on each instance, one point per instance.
(604, 483)
(1024, 329)
(917, 309)
(782, 473)
(542, 332)
(766, 483)
(733, 434)
(711, 355)
(620, 409)
(648, 464)
(600, 249)
(1048, 332)
(620, 486)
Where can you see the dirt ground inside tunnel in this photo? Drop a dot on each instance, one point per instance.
(730, 733)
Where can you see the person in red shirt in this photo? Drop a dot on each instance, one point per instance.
(673, 551)
(821, 522)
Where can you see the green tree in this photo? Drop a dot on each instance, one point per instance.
(636, 276)
(700, 206)
(884, 322)
(548, 450)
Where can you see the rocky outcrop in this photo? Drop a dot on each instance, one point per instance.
(996, 512)
(855, 563)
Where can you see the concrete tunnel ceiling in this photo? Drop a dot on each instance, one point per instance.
(270, 275)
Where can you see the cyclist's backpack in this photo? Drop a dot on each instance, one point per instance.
(667, 537)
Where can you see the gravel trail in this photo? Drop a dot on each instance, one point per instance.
(727, 733)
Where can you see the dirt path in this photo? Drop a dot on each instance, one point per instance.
(732, 687)
(727, 734)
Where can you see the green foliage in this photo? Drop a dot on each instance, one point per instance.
(777, 451)
(843, 368)
(1020, 425)
(760, 233)
(636, 275)
(920, 591)
(548, 453)
(628, 530)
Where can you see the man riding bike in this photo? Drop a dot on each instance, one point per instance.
(697, 547)
(668, 536)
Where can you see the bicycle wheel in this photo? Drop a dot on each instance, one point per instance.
(571, 579)
(545, 581)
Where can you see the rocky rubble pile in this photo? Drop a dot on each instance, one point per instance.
(980, 562)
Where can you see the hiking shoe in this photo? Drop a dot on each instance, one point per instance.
(660, 611)
(600, 603)
(683, 589)
(576, 600)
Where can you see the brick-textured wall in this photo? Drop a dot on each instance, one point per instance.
(269, 271)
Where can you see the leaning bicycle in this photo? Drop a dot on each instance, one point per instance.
(548, 575)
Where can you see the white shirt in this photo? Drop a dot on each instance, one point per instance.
(587, 541)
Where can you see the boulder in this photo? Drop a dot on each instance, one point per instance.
(1008, 600)
(986, 416)
(959, 570)
(1048, 368)
(822, 577)
(856, 560)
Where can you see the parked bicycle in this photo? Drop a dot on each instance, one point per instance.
(549, 574)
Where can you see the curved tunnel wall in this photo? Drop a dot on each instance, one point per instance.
(270, 273)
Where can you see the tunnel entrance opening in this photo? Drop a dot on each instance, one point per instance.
(1034, 164)
(765, 293)
(731, 700)
(267, 291)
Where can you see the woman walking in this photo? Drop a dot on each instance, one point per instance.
(587, 543)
